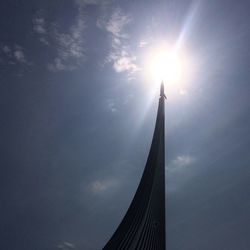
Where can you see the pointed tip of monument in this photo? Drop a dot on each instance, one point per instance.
(162, 88)
(162, 94)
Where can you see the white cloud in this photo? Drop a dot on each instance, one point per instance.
(180, 162)
(39, 25)
(101, 186)
(143, 43)
(13, 55)
(125, 63)
(111, 105)
(6, 49)
(57, 65)
(84, 3)
(183, 161)
(44, 40)
(19, 55)
(70, 46)
(116, 24)
(120, 56)
(66, 246)
(180, 169)
(128, 98)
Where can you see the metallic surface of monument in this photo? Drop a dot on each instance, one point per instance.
(143, 226)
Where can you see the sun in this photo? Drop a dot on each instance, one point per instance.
(165, 64)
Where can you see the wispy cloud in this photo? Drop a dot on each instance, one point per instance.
(102, 183)
(111, 105)
(183, 161)
(70, 46)
(143, 43)
(127, 99)
(13, 55)
(84, 3)
(19, 54)
(180, 162)
(6, 49)
(120, 56)
(66, 246)
(124, 62)
(101, 186)
(116, 24)
(40, 27)
(181, 168)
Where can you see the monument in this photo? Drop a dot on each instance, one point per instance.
(143, 226)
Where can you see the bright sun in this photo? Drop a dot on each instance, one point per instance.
(165, 64)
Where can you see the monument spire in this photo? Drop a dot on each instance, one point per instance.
(143, 226)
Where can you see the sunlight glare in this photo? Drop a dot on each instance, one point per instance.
(165, 65)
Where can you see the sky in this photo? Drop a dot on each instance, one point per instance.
(78, 110)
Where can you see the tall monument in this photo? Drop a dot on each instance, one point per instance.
(143, 226)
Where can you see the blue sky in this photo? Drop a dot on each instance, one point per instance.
(78, 112)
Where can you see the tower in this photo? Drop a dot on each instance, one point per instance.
(143, 226)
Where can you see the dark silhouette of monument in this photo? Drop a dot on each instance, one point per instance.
(143, 226)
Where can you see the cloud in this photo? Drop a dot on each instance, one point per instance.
(66, 246)
(143, 44)
(125, 62)
(70, 46)
(180, 162)
(13, 55)
(19, 55)
(127, 99)
(104, 184)
(120, 56)
(101, 186)
(58, 65)
(116, 24)
(44, 40)
(40, 28)
(84, 3)
(6, 49)
(183, 161)
(39, 25)
(111, 105)
(178, 171)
